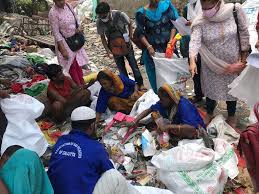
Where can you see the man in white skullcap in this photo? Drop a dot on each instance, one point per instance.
(80, 164)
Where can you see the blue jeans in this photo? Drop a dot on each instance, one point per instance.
(133, 64)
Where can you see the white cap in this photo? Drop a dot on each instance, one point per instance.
(83, 113)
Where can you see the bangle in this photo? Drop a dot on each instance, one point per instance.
(149, 46)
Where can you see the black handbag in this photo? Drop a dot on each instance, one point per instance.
(76, 41)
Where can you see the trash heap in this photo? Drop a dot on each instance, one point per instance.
(142, 156)
(148, 159)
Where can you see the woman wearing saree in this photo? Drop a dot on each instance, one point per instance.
(118, 93)
(155, 29)
(183, 117)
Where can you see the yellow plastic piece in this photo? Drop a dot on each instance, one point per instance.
(90, 77)
(178, 36)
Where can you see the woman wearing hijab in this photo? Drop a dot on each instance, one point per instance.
(155, 29)
(214, 36)
(118, 92)
(63, 23)
(182, 115)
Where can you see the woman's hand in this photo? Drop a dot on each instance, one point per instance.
(151, 50)
(63, 50)
(193, 68)
(188, 23)
(235, 68)
(163, 128)
(65, 54)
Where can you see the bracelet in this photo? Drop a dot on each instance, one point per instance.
(149, 46)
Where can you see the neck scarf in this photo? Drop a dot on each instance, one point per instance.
(156, 15)
(224, 13)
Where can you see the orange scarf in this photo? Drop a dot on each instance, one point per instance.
(174, 95)
(116, 80)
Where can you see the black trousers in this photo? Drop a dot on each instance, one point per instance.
(197, 79)
(133, 64)
(231, 107)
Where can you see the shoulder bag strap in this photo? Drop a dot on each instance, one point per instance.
(236, 21)
(77, 25)
(74, 17)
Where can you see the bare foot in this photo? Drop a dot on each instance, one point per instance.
(207, 119)
(232, 121)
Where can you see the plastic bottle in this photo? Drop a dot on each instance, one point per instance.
(163, 139)
(170, 46)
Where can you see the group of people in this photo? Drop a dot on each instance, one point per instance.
(217, 49)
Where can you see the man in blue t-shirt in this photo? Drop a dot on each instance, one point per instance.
(80, 164)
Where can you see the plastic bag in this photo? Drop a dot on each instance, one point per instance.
(172, 71)
(238, 88)
(22, 129)
(186, 157)
(163, 139)
(224, 131)
(148, 144)
(143, 103)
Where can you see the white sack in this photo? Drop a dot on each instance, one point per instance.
(143, 103)
(210, 179)
(22, 129)
(152, 190)
(187, 157)
(172, 71)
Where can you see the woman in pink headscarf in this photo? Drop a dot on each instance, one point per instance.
(63, 23)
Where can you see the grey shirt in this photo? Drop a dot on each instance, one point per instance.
(120, 21)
